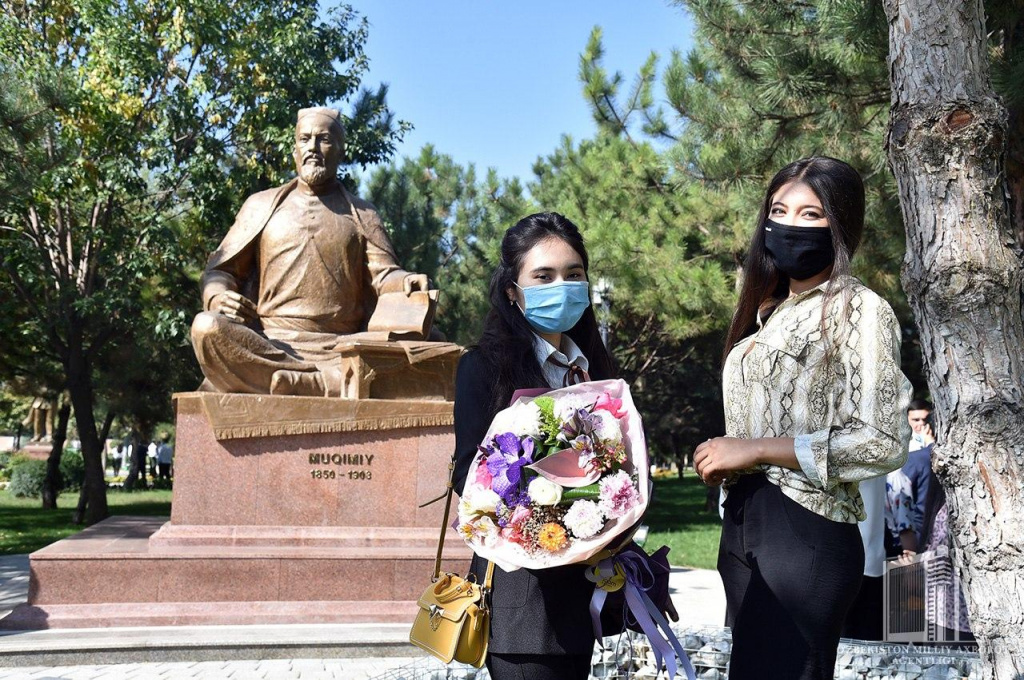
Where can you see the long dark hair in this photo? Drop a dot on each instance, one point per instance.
(507, 341)
(841, 191)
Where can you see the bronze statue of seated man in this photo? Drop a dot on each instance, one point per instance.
(301, 268)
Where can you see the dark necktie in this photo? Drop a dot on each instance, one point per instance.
(573, 374)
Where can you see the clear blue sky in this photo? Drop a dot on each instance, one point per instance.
(495, 83)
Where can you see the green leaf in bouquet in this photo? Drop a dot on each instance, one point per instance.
(549, 425)
(589, 492)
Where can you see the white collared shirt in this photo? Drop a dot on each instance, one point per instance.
(569, 354)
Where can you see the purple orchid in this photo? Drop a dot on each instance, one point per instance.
(507, 455)
(578, 433)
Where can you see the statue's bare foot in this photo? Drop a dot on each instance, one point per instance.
(297, 383)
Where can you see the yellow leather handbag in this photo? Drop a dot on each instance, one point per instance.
(453, 621)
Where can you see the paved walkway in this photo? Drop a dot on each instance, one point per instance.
(249, 652)
(285, 669)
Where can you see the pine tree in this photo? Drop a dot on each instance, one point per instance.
(448, 224)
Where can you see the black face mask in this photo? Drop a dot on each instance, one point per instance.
(799, 252)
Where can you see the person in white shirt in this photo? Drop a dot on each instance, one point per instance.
(164, 457)
(151, 458)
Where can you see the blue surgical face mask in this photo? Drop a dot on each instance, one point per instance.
(555, 307)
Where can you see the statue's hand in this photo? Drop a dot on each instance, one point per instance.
(414, 282)
(235, 307)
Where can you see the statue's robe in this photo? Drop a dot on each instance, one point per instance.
(313, 263)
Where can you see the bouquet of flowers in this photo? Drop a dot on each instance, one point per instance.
(558, 477)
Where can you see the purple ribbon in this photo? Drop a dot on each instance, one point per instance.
(639, 579)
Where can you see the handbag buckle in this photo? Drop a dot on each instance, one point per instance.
(484, 594)
(435, 616)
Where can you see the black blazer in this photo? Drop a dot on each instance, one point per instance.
(543, 611)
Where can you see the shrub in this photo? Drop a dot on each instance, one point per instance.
(8, 461)
(72, 470)
(27, 478)
(162, 484)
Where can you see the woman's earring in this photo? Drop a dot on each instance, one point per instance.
(511, 302)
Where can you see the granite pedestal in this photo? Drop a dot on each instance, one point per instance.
(285, 510)
(36, 451)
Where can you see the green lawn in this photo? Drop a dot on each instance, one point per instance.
(677, 519)
(25, 526)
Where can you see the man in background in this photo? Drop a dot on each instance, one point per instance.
(918, 467)
(164, 456)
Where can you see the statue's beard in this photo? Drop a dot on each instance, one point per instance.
(314, 175)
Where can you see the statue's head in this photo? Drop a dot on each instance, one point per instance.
(319, 140)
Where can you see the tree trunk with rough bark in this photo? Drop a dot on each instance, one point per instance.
(53, 483)
(92, 501)
(963, 275)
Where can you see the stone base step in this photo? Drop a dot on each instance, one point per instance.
(204, 643)
(109, 575)
(127, 614)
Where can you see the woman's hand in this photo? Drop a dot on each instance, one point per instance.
(905, 558)
(717, 458)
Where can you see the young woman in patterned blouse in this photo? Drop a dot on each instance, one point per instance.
(814, 403)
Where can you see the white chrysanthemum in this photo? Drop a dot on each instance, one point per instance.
(608, 427)
(521, 419)
(584, 519)
(478, 501)
(566, 407)
(544, 491)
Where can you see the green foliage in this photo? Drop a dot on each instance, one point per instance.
(549, 424)
(130, 133)
(133, 131)
(588, 492)
(13, 409)
(27, 478)
(645, 233)
(448, 224)
(770, 83)
(72, 470)
(27, 475)
(681, 182)
(9, 461)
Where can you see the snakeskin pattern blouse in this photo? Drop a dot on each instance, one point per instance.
(846, 411)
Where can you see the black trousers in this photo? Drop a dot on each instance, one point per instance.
(539, 666)
(865, 619)
(790, 575)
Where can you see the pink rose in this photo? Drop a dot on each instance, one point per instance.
(513, 530)
(607, 402)
(483, 475)
(520, 515)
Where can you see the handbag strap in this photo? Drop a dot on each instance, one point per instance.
(444, 528)
(444, 522)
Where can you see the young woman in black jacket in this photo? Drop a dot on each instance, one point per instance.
(540, 332)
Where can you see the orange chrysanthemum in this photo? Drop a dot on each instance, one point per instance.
(552, 537)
